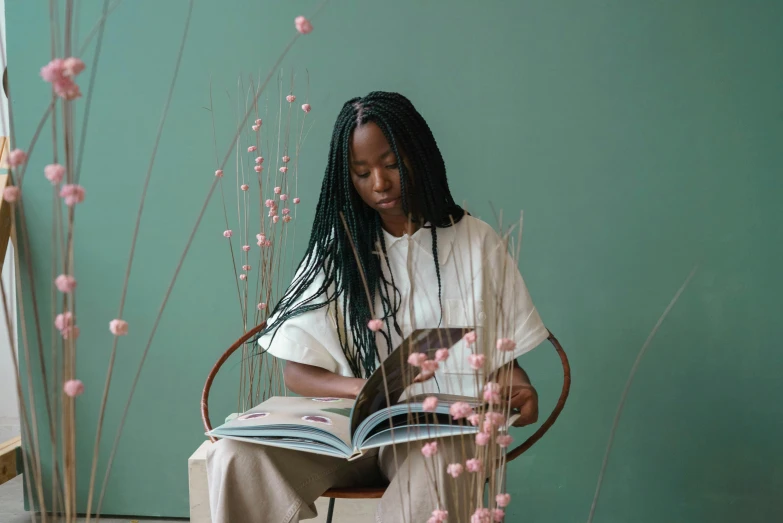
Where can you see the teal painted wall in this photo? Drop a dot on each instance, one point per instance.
(640, 138)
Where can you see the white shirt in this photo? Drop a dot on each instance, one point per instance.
(480, 287)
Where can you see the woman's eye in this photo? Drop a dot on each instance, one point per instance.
(395, 165)
(363, 175)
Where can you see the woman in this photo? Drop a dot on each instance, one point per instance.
(385, 200)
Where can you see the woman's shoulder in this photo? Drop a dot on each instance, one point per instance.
(475, 230)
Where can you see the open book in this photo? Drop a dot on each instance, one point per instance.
(377, 417)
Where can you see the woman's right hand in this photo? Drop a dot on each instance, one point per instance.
(310, 381)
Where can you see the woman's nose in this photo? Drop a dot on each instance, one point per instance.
(380, 181)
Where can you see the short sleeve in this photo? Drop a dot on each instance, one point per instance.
(309, 338)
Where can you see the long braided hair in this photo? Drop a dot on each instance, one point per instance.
(329, 250)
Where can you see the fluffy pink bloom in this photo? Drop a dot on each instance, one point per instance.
(430, 404)
(278, 190)
(287, 218)
(482, 438)
(496, 419)
(72, 66)
(219, 173)
(228, 233)
(284, 169)
(470, 338)
(261, 306)
(306, 108)
(290, 98)
(258, 168)
(506, 345)
(441, 354)
(286, 211)
(258, 121)
(17, 157)
(53, 71)
(54, 173)
(275, 219)
(267, 243)
(283, 197)
(454, 470)
(246, 248)
(492, 393)
(72, 194)
(430, 366)
(286, 159)
(268, 203)
(252, 148)
(503, 500)
(474, 419)
(430, 449)
(67, 89)
(255, 127)
(243, 277)
(498, 514)
(482, 515)
(244, 187)
(259, 160)
(474, 465)
(246, 267)
(375, 325)
(460, 410)
(504, 440)
(118, 327)
(476, 361)
(417, 358)
(65, 283)
(303, 25)
(439, 516)
(296, 200)
(70, 333)
(63, 320)
(11, 193)
(261, 237)
(73, 388)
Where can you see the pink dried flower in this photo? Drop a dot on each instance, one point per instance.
(244, 187)
(228, 233)
(67, 89)
(53, 71)
(286, 211)
(283, 197)
(503, 500)
(267, 243)
(65, 283)
(243, 277)
(258, 168)
(252, 148)
(17, 157)
(72, 194)
(269, 203)
(498, 514)
(506, 345)
(290, 98)
(481, 515)
(439, 516)
(306, 108)
(504, 440)
(255, 127)
(470, 338)
(261, 237)
(441, 354)
(495, 419)
(73, 388)
(259, 160)
(246, 267)
(118, 327)
(454, 470)
(284, 169)
(430, 404)
(474, 465)
(286, 159)
(258, 121)
(287, 218)
(482, 438)
(474, 419)
(261, 306)
(296, 200)
(54, 173)
(275, 218)
(416, 359)
(430, 366)
(70, 333)
(278, 190)
(11, 193)
(63, 320)
(375, 325)
(492, 393)
(303, 25)
(430, 449)
(476, 361)
(246, 248)
(219, 173)
(460, 410)
(72, 66)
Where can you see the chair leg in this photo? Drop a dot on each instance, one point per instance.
(330, 512)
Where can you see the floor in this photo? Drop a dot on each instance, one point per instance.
(12, 507)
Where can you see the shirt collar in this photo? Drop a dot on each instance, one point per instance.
(423, 237)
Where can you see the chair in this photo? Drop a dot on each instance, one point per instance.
(377, 492)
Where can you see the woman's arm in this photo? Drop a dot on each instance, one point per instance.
(310, 381)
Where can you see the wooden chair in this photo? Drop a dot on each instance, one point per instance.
(377, 492)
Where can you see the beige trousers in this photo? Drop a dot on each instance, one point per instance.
(250, 483)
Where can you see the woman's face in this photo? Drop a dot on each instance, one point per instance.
(375, 172)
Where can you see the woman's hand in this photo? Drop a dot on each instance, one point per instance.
(310, 381)
(522, 396)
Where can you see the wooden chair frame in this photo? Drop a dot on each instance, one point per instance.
(377, 492)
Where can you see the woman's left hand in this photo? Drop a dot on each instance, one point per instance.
(523, 397)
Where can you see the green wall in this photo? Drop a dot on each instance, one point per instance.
(640, 138)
